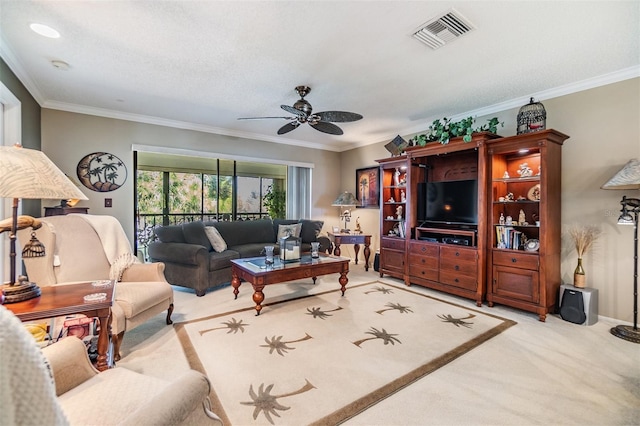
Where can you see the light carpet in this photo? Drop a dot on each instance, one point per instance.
(323, 358)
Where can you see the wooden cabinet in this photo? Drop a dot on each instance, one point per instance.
(392, 257)
(394, 177)
(524, 220)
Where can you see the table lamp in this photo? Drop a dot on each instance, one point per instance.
(629, 178)
(28, 173)
(346, 199)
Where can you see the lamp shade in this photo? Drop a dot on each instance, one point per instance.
(627, 178)
(345, 199)
(28, 173)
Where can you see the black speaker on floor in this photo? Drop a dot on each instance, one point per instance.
(572, 307)
(376, 262)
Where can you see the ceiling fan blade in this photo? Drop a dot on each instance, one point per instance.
(261, 118)
(293, 110)
(338, 116)
(288, 127)
(325, 127)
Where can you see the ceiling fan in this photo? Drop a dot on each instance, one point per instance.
(303, 113)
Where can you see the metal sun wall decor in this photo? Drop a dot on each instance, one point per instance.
(102, 172)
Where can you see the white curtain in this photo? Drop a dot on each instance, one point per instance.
(298, 192)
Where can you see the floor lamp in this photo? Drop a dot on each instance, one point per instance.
(28, 173)
(629, 178)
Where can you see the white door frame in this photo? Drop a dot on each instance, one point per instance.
(10, 134)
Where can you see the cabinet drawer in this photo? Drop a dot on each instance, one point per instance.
(424, 273)
(423, 249)
(515, 260)
(392, 259)
(423, 261)
(459, 253)
(393, 243)
(450, 264)
(516, 283)
(458, 280)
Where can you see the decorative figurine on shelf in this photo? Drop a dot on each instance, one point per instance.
(508, 221)
(399, 212)
(525, 170)
(391, 200)
(509, 197)
(403, 196)
(501, 220)
(522, 220)
(396, 177)
(358, 230)
(505, 175)
(403, 180)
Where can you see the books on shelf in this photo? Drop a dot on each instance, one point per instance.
(509, 238)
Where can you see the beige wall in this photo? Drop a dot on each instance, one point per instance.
(68, 137)
(604, 129)
(602, 123)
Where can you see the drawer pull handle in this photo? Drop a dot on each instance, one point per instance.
(457, 280)
(422, 260)
(422, 272)
(457, 253)
(424, 249)
(457, 268)
(514, 260)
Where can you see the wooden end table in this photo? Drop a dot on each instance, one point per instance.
(356, 240)
(68, 299)
(259, 275)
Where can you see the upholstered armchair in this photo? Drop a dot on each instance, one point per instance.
(90, 248)
(58, 386)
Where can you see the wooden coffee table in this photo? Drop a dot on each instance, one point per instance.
(67, 299)
(255, 271)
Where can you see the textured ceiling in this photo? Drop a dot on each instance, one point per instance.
(203, 64)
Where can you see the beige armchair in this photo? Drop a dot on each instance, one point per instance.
(78, 394)
(84, 248)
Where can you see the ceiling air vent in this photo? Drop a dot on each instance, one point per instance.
(443, 29)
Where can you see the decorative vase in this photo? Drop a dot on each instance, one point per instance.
(579, 275)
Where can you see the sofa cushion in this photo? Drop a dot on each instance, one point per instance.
(249, 250)
(217, 242)
(277, 223)
(170, 234)
(136, 297)
(310, 230)
(194, 234)
(246, 232)
(292, 230)
(222, 260)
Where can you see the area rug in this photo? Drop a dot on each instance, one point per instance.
(323, 358)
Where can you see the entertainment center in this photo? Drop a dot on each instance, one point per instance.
(478, 219)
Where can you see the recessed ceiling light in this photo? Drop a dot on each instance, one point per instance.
(44, 30)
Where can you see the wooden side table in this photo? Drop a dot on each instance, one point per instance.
(67, 299)
(356, 240)
(59, 211)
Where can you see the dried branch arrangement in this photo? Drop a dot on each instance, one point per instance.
(583, 237)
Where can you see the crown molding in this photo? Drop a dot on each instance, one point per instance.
(176, 124)
(567, 89)
(16, 67)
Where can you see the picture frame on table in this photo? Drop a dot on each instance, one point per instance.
(368, 187)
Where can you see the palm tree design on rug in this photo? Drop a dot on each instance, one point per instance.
(457, 321)
(232, 326)
(377, 334)
(276, 344)
(319, 313)
(395, 307)
(382, 290)
(268, 404)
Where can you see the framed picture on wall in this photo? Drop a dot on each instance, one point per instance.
(368, 187)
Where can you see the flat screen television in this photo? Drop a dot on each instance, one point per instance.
(452, 202)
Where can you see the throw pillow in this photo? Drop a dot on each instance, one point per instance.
(310, 230)
(217, 242)
(285, 231)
